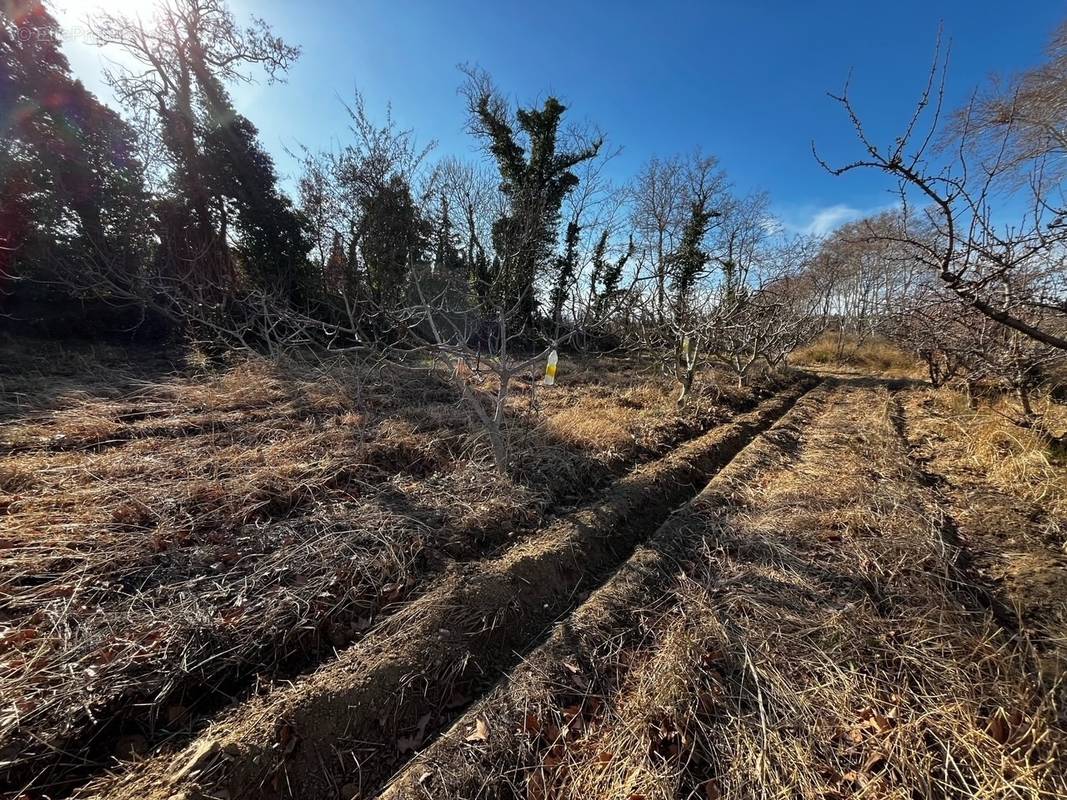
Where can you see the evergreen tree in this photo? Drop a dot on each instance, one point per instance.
(273, 237)
(336, 268)
(689, 259)
(217, 168)
(447, 260)
(73, 208)
(606, 274)
(566, 268)
(352, 286)
(392, 238)
(450, 268)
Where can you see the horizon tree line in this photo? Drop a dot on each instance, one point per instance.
(175, 208)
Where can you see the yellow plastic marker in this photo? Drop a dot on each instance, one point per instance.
(550, 369)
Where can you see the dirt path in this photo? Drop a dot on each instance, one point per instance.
(817, 633)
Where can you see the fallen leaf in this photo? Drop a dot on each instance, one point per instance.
(480, 732)
(706, 702)
(875, 721)
(551, 732)
(874, 763)
(580, 681)
(287, 738)
(17, 637)
(531, 725)
(880, 723)
(998, 728)
(535, 785)
(391, 592)
(405, 744)
(710, 657)
(711, 790)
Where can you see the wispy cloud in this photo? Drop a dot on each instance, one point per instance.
(823, 220)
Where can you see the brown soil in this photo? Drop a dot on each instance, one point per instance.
(353, 721)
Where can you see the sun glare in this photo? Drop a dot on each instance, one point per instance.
(75, 15)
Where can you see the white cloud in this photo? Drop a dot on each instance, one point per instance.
(821, 221)
(827, 220)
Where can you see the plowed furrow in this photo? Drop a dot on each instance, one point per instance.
(347, 727)
(798, 627)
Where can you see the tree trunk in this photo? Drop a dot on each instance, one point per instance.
(687, 387)
(1024, 400)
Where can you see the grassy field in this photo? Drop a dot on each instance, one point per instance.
(848, 352)
(305, 579)
(817, 631)
(175, 537)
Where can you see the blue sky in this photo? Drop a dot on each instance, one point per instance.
(743, 80)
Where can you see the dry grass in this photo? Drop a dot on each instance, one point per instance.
(168, 534)
(443, 645)
(1005, 490)
(616, 420)
(593, 425)
(1027, 462)
(619, 406)
(821, 644)
(188, 534)
(869, 355)
(42, 374)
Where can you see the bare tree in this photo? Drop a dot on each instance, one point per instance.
(483, 370)
(1013, 274)
(660, 198)
(1020, 121)
(779, 304)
